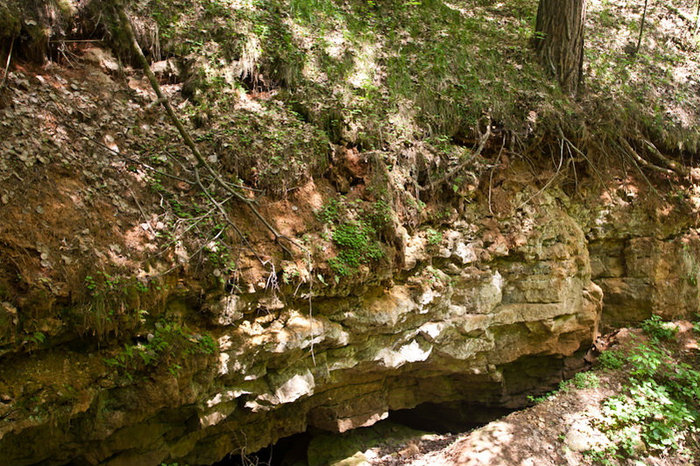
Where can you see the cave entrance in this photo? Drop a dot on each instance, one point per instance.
(444, 418)
(288, 451)
(320, 447)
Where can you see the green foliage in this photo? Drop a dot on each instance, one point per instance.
(581, 380)
(168, 343)
(112, 303)
(611, 359)
(355, 232)
(659, 406)
(434, 237)
(357, 244)
(37, 338)
(658, 329)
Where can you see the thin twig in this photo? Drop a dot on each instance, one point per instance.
(230, 222)
(7, 65)
(72, 41)
(125, 157)
(196, 222)
(641, 27)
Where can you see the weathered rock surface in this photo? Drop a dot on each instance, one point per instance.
(484, 325)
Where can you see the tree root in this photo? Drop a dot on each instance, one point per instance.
(482, 143)
(642, 161)
(670, 164)
(7, 66)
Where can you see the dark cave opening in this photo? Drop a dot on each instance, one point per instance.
(447, 418)
(288, 451)
(440, 418)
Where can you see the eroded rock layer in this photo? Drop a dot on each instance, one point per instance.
(486, 323)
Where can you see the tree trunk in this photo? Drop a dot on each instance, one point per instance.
(559, 40)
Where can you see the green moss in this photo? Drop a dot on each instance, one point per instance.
(356, 227)
(169, 345)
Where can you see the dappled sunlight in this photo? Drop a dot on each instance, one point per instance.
(486, 446)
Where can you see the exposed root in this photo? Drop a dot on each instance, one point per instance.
(495, 165)
(629, 150)
(551, 180)
(670, 164)
(482, 143)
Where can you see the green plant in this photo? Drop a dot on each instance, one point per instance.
(658, 329)
(169, 343)
(611, 359)
(584, 380)
(541, 398)
(659, 405)
(355, 225)
(434, 237)
(37, 338)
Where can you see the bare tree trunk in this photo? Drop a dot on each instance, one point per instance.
(559, 40)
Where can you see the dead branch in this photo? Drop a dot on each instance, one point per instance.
(7, 65)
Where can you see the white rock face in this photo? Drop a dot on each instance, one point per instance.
(296, 387)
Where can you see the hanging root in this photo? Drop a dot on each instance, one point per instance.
(482, 143)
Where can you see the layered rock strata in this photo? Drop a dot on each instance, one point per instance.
(485, 317)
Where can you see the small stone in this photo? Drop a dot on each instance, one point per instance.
(5, 198)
